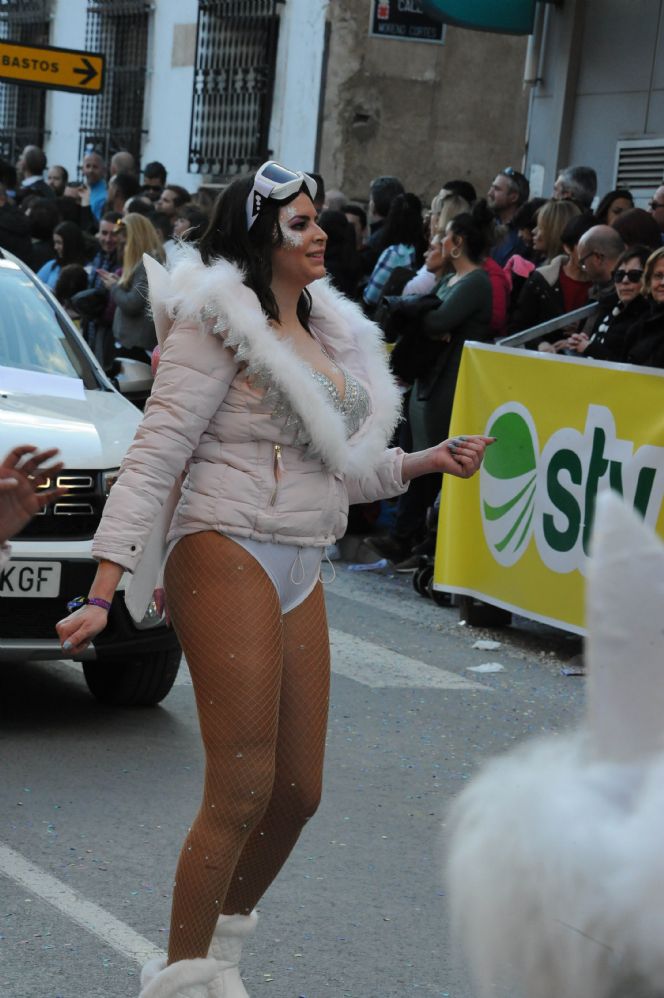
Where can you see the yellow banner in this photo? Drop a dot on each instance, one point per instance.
(517, 534)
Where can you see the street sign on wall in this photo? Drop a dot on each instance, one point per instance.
(52, 68)
(404, 20)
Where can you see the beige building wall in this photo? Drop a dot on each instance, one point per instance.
(423, 112)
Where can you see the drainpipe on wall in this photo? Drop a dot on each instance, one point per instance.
(568, 90)
(554, 97)
(533, 72)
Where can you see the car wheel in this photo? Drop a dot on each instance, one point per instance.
(141, 682)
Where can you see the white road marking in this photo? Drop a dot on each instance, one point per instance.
(372, 665)
(420, 611)
(379, 667)
(85, 913)
(183, 677)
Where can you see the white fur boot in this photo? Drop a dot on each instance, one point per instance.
(184, 979)
(226, 945)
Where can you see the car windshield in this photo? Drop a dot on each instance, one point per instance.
(34, 337)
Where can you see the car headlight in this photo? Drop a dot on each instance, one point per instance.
(108, 480)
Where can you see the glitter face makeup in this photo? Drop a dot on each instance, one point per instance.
(291, 237)
(299, 258)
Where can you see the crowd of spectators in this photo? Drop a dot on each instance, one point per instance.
(500, 265)
(462, 268)
(86, 238)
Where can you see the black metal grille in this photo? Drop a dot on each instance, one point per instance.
(75, 515)
(236, 45)
(113, 120)
(22, 107)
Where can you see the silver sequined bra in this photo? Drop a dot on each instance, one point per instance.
(355, 405)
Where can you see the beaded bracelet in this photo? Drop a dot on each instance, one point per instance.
(79, 601)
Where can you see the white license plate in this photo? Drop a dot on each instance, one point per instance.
(30, 578)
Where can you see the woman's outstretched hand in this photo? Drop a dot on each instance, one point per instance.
(460, 456)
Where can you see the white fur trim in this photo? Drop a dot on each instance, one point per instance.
(229, 934)
(624, 600)
(169, 982)
(349, 337)
(237, 926)
(556, 864)
(556, 873)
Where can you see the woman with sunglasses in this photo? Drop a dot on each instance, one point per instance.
(644, 342)
(274, 397)
(608, 339)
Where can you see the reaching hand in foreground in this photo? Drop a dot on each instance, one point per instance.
(20, 481)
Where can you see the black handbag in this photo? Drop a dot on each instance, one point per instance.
(91, 303)
(414, 353)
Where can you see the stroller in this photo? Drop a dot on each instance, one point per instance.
(473, 611)
(423, 576)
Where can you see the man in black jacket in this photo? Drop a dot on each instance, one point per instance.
(31, 166)
(14, 229)
(599, 249)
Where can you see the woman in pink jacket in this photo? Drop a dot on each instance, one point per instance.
(274, 394)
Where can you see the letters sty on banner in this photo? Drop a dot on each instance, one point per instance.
(517, 534)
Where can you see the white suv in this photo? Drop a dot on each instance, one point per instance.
(54, 394)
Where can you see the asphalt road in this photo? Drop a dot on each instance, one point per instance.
(94, 803)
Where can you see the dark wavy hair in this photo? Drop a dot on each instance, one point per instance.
(251, 249)
(73, 243)
(620, 193)
(405, 224)
(476, 227)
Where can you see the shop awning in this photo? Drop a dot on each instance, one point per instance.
(511, 17)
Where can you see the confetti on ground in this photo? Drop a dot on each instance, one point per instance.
(484, 644)
(574, 669)
(486, 667)
(372, 566)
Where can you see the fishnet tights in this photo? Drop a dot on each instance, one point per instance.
(262, 685)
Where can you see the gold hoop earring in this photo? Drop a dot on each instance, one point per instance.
(455, 254)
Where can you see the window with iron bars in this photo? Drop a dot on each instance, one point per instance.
(236, 48)
(113, 119)
(22, 107)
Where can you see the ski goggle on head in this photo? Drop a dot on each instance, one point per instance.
(276, 182)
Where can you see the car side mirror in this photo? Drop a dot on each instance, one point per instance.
(133, 379)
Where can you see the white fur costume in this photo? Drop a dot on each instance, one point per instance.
(556, 865)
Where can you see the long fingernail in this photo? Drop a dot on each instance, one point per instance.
(67, 645)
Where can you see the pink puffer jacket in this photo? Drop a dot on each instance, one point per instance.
(269, 464)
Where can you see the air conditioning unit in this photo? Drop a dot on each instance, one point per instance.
(640, 167)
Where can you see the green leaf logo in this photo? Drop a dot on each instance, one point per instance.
(508, 483)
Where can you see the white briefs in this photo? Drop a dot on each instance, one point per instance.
(293, 570)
